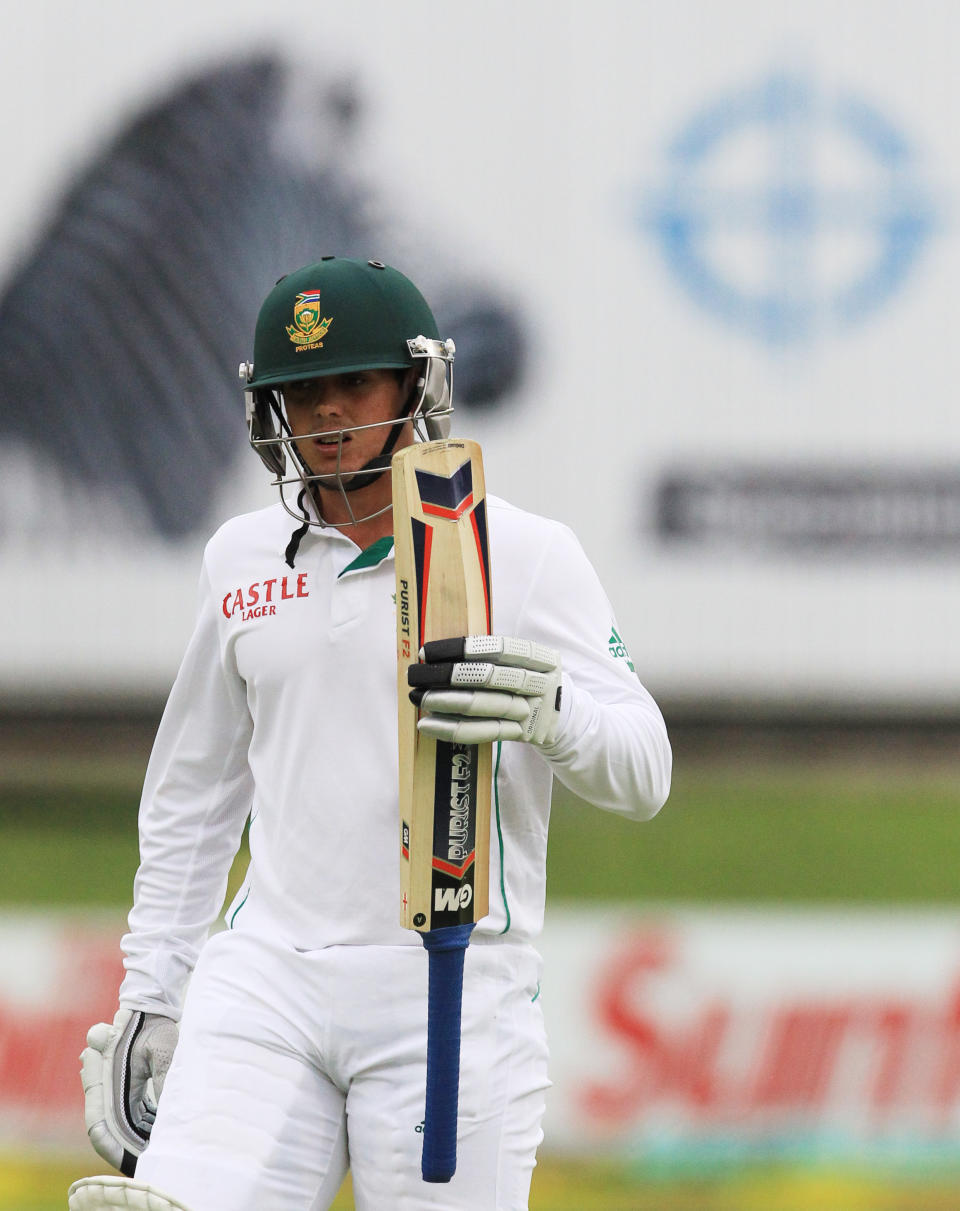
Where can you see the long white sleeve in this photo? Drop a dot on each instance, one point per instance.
(196, 798)
(612, 749)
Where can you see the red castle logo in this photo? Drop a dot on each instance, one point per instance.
(259, 600)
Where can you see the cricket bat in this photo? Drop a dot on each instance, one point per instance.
(443, 592)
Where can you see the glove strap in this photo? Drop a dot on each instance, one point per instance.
(121, 1092)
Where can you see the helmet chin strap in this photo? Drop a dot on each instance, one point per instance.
(372, 470)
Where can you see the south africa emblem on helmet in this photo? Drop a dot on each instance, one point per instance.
(309, 327)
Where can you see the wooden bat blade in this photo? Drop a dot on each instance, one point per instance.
(443, 591)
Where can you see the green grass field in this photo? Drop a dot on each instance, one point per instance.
(796, 835)
(801, 832)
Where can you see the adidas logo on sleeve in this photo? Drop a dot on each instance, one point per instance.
(618, 649)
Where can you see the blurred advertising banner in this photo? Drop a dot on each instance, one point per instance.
(59, 974)
(701, 275)
(675, 1036)
(729, 1035)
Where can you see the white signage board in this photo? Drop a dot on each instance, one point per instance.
(720, 239)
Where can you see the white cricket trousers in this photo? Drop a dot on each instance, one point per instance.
(294, 1066)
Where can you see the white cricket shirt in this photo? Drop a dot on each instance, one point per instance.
(285, 710)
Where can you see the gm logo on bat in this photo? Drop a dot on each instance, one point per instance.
(452, 899)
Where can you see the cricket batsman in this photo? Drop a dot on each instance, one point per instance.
(251, 1068)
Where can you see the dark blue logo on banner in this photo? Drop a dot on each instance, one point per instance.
(789, 211)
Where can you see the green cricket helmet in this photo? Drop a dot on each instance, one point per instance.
(337, 316)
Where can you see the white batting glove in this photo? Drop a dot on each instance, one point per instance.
(123, 1068)
(487, 687)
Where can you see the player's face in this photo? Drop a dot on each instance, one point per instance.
(320, 410)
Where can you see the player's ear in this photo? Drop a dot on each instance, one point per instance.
(410, 388)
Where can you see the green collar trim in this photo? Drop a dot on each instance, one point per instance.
(375, 554)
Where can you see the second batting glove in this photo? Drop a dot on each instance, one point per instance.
(123, 1068)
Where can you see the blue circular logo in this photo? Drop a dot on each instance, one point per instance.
(790, 213)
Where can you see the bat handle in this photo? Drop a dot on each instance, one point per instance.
(446, 948)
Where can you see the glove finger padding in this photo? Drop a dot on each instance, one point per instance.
(477, 673)
(481, 688)
(476, 704)
(497, 649)
(123, 1068)
(473, 716)
(455, 729)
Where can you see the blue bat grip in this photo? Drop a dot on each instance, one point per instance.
(446, 948)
